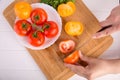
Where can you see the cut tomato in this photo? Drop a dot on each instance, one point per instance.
(67, 46)
(74, 28)
(67, 9)
(72, 58)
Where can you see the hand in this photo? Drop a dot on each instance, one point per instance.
(113, 20)
(95, 67)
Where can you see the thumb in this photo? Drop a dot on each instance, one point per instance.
(84, 58)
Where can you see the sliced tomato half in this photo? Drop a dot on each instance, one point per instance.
(67, 46)
(72, 58)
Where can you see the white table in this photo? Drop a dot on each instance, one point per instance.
(17, 64)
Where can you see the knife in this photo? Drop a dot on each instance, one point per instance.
(104, 28)
(90, 38)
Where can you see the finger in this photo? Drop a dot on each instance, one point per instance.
(106, 22)
(77, 69)
(84, 58)
(99, 35)
(105, 32)
(72, 67)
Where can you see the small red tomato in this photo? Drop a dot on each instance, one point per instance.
(72, 58)
(67, 46)
(22, 27)
(50, 29)
(38, 16)
(36, 38)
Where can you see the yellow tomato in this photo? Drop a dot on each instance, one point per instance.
(72, 5)
(22, 10)
(66, 9)
(74, 28)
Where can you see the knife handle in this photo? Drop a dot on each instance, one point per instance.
(105, 28)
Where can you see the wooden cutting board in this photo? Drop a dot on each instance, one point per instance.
(50, 60)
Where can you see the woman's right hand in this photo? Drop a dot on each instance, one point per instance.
(113, 21)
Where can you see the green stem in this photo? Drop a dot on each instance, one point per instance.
(46, 26)
(38, 28)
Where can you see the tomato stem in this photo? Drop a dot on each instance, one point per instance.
(46, 26)
(35, 34)
(36, 17)
(38, 28)
(24, 25)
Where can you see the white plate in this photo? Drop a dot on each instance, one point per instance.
(52, 16)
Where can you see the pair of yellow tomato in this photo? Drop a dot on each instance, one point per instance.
(72, 28)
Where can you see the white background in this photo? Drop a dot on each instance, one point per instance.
(17, 64)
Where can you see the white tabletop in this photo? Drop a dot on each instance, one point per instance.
(17, 64)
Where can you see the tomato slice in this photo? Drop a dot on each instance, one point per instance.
(67, 9)
(72, 5)
(66, 46)
(74, 28)
(72, 58)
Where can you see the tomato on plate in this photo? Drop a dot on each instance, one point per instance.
(38, 16)
(50, 29)
(22, 27)
(22, 10)
(72, 58)
(66, 46)
(36, 38)
(66, 9)
(74, 28)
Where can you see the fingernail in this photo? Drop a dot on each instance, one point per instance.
(80, 53)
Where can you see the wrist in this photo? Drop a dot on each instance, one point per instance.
(114, 66)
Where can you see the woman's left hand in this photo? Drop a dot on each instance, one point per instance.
(95, 67)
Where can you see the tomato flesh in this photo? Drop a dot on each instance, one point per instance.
(67, 46)
(72, 58)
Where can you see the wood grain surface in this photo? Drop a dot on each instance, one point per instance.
(50, 60)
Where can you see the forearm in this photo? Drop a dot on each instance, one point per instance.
(115, 66)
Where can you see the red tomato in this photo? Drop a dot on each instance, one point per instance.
(67, 46)
(50, 29)
(38, 16)
(36, 38)
(22, 27)
(72, 58)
